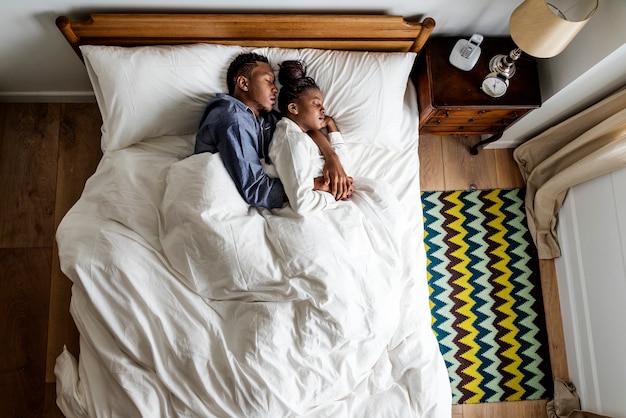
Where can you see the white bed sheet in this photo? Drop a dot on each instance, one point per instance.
(153, 346)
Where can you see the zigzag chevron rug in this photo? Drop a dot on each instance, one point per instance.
(485, 297)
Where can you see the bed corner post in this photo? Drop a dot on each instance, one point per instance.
(65, 26)
(428, 25)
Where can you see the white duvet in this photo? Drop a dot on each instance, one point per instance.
(192, 304)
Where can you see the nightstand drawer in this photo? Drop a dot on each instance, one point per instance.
(479, 118)
(475, 114)
(461, 129)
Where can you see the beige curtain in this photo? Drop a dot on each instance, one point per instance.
(587, 145)
(566, 403)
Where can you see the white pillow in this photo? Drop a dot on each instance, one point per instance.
(150, 91)
(363, 91)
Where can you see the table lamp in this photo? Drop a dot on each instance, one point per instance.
(542, 29)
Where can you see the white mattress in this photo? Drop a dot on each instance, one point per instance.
(156, 342)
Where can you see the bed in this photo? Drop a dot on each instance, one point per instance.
(191, 303)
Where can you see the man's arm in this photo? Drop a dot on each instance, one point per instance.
(236, 139)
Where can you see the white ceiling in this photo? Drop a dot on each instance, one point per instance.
(36, 60)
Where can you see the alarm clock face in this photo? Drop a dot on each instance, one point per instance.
(494, 86)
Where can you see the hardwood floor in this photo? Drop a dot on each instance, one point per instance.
(47, 151)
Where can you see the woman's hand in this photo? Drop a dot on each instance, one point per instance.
(329, 124)
(339, 182)
(321, 184)
(335, 176)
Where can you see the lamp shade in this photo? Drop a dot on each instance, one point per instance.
(543, 29)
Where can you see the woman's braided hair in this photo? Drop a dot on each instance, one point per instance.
(292, 76)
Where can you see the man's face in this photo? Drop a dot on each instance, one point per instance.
(261, 90)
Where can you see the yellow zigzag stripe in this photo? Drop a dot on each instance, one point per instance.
(465, 297)
(505, 294)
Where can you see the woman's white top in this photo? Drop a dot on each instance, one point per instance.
(298, 160)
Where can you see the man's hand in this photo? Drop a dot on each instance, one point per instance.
(320, 184)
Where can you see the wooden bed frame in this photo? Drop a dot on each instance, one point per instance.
(324, 31)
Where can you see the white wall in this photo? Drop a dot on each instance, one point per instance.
(590, 68)
(37, 62)
(592, 288)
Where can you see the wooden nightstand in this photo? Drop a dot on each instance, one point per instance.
(451, 102)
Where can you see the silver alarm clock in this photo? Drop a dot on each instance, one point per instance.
(494, 84)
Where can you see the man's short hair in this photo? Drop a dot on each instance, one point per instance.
(242, 65)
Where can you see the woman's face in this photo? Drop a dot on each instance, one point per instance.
(261, 90)
(309, 110)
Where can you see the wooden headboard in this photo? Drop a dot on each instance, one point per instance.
(324, 31)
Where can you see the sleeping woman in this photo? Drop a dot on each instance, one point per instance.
(294, 155)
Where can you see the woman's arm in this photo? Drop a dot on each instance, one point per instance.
(334, 175)
(291, 155)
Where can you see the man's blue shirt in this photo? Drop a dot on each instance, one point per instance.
(230, 127)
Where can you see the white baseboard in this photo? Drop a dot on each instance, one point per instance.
(500, 143)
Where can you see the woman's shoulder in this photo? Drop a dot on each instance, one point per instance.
(289, 131)
(289, 126)
(281, 133)
(283, 127)
(288, 134)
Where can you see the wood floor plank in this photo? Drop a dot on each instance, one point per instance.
(51, 409)
(24, 289)
(463, 170)
(79, 154)
(28, 157)
(554, 320)
(507, 172)
(520, 409)
(431, 163)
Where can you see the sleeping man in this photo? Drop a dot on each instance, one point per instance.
(240, 126)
